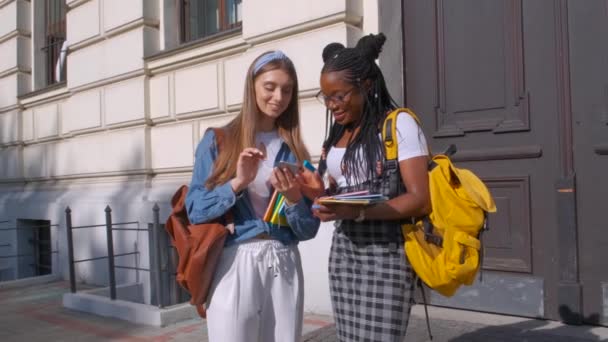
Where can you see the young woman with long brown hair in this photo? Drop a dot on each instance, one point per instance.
(257, 291)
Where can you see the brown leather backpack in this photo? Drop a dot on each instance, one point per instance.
(199, 246)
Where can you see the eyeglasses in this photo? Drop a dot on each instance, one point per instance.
(337, 99)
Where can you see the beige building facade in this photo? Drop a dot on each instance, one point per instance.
(116, 118)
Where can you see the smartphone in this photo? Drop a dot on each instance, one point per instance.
(294, 168)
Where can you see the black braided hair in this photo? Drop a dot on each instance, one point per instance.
(359, 63)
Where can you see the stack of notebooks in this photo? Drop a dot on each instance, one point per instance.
(275, 212)
(354, 198)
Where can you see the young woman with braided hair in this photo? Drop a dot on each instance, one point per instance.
(371, 281)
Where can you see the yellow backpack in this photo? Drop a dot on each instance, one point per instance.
(444, 247)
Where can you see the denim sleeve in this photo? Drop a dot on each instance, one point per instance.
(202, 204)
(301, 220)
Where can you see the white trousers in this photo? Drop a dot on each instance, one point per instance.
(257, 294)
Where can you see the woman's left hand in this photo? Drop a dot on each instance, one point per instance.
(285, 182)
(332, 212)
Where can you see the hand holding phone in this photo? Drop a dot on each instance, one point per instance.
(294, 168)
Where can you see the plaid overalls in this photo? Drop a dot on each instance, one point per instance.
(371, 281)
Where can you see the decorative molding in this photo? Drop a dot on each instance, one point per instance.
(141, 22)
(73, 4)
(7, 2)
(214, 38)
(517, 191)
(127, 124)
(15, 70)
(515, 115)
(138, 172)
(329, 20)
(45, 95)
(213, 112)
(499, 153)
(183, 58)
(185, 169)
(104, 128)
(13, 34)
(109, 80)
(233, 43)
(10, 108)
(303, 95)
(12, 144)
(563, 88)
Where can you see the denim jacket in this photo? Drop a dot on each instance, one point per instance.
(204, 205)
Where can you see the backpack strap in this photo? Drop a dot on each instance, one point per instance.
(389, 138)
(389, 132)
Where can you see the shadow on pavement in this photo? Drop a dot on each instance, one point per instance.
(528, 331)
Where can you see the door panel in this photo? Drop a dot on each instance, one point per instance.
(494, 98)
(588, 32)
(482, 74)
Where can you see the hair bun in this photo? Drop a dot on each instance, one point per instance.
(370, 46)
(331, 50)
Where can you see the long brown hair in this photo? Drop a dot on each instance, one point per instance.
(243, 127)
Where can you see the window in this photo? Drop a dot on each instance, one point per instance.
(54, 37)
(203, 18)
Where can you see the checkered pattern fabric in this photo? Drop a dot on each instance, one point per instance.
(371, 281)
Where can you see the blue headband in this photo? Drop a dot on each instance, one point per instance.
(267, 58)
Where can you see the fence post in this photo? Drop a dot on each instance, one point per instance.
(68, 229)
(110, 241)
(156, 253)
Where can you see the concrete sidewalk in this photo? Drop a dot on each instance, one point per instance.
(466, 326)
(34, 313)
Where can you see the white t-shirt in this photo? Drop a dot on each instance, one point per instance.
(411, 143)
(259, 190)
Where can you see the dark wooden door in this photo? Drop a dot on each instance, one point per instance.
(487, 75)
(588, 28)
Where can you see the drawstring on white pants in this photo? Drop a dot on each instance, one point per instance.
(269, 253)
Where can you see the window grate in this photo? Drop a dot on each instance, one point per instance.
(55, 35)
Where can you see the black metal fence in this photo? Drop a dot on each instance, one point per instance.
(36, 242)
(110, 227)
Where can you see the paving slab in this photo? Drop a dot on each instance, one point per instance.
(35, 313)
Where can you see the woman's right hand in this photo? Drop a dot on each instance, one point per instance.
(246, 168)
(311, 184)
